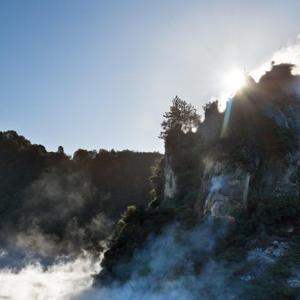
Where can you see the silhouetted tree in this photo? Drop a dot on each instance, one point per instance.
(181, 116)
(60, 150)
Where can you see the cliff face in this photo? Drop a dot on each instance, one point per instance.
(251, 150)
(170, 179)
(241, 169)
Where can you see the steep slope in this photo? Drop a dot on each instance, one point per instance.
(224, 220)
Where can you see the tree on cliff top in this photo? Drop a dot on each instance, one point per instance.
(181, 116)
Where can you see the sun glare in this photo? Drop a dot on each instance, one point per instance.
(235, 80)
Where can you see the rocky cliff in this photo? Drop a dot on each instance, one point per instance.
(237, 170)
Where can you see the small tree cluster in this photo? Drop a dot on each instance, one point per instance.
(182, 115)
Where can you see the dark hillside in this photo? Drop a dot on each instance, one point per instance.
(73, 201)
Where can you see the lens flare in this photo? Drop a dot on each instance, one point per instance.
(235, 80)
(232, 81)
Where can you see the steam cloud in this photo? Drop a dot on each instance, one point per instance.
(61, 281)
(53, 204)
(34, 264)
(289, 54)
(166, 268)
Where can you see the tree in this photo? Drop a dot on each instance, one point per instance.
(181, 115)
(211, 108)
(60, 150)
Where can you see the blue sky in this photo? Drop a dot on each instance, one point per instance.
(100, 74)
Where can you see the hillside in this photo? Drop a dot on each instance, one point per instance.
(224, 219)
(52, 203)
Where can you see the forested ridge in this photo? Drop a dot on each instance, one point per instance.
(70, 201)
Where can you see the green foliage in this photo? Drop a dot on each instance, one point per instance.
(187, 165)
(131, 233)
(268, 216)
(277, 211)
(181, 115)
(157, 181)
(126, 218)
(186, 215)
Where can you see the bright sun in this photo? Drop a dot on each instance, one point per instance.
(235, 80)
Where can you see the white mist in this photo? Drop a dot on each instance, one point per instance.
(62, 281)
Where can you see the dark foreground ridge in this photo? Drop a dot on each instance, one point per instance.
(224, 220)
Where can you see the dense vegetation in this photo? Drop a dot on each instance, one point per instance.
(73, 201)
(258, 146)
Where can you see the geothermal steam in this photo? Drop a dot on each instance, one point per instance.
(63, 280)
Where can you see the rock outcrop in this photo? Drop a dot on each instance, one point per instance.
(250, 149)
(240, 167)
